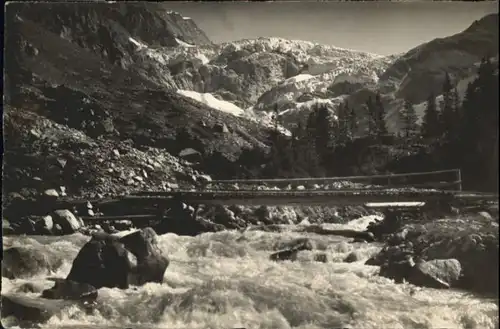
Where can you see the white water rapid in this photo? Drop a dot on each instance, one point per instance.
(226, 280)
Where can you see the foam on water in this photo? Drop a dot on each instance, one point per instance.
(226, 280)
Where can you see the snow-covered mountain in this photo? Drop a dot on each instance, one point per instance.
(258, 74)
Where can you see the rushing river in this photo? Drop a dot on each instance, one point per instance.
(226, 280)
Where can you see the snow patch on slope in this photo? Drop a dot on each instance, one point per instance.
(308, 106)
(209, 100)
(184, 44)
(298, 78)
(204, 60)
(139, 45)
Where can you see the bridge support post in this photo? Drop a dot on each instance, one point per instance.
(459, 179)
(195, 212)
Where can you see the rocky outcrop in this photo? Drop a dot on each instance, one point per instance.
(436, 273)
(107, 261)
(443, 253)
(106, 29)
(92, 168)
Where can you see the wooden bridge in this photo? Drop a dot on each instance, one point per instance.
(332, 198)
(390, 191)
(391, 188)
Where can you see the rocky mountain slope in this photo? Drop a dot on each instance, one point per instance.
(72, 81)
(421, 70)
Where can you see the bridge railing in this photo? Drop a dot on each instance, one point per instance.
(441, 179)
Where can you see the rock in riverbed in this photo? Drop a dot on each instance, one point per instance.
(70, 290)
(26, 308)
(353, 257)
(109, 261)
(290, 253)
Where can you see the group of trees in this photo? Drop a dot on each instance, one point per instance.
(457, 131)
(315, 142)
(464, 133)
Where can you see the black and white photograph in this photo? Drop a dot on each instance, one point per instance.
(250, 165)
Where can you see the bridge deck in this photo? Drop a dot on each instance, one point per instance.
(326, 197)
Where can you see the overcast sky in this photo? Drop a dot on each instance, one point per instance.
(379, 27)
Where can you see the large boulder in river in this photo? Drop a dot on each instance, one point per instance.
(151, 263)
(109, 261)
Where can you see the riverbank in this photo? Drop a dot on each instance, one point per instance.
(472, 239)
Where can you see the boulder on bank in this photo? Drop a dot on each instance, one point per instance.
(181, 220)
(398, 270)
(68, 222)
(109, 261)
(436, 273)
(7, 229)
(44, 225)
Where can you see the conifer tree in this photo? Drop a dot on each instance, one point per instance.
(479, 131)
(312, 156)
(324, 131)
(448, 114)
(369, 110)
(379, 116)
(274, 162)
(353, 119)
(343, 134)
(430, 123)
(409, 119)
